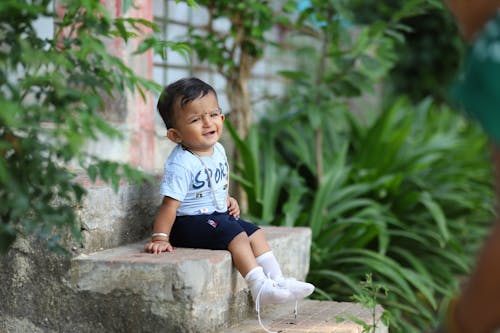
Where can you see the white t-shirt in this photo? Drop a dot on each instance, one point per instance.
(185, 179)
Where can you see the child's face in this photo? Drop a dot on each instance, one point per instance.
(198, 126)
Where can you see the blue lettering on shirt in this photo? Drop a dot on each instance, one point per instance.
(204, 177)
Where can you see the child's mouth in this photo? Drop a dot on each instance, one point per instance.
(209, 133)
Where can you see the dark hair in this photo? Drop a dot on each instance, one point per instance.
(179, 93)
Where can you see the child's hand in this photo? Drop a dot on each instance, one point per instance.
(158, 247)
(233, 207)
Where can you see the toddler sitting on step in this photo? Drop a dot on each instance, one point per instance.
(196, 210)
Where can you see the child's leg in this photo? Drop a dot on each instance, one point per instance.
(259, 243)
(242, 254)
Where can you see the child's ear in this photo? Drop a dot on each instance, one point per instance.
(222, 116)
(173, 135)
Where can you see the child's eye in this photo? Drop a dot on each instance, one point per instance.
(194, 120)
(214, 114)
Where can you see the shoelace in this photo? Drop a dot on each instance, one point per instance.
(296, 309)
(257, 303)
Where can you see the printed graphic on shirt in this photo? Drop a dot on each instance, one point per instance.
(205, 176)
(187, 178)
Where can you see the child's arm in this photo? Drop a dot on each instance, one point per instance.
(233, 207)
(163, 224)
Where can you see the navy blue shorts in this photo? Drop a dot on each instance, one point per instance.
(211, 231)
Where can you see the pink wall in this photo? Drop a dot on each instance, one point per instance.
(141, 112)
(138, 124)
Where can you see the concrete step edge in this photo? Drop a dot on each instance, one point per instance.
(312, 317)
(191, 289)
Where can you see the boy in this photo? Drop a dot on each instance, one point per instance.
(196, 210)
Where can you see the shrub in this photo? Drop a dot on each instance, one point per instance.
(407, 198)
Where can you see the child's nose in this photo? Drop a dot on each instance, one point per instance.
(207, 119)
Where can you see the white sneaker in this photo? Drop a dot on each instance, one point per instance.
(298, 289)
(265, 290)
(270, 293)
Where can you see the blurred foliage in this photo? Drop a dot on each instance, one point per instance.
(51, 91)
(406, 197)
(248, 21)
(428, 60)
(401, 189)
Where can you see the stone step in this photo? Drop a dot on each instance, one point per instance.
(188, 290)
(312, 317)
(112, 218)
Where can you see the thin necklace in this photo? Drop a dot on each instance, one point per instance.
(214, 198)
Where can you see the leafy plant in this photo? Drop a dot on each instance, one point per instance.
(390, 203)
(369, 298)
(53, 92)
(348, 58)
(402, 192)
(429, 58)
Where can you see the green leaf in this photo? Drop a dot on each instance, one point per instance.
(437, 214)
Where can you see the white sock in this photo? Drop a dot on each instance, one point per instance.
(255, 278)
(270, 265)
(255, 274)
